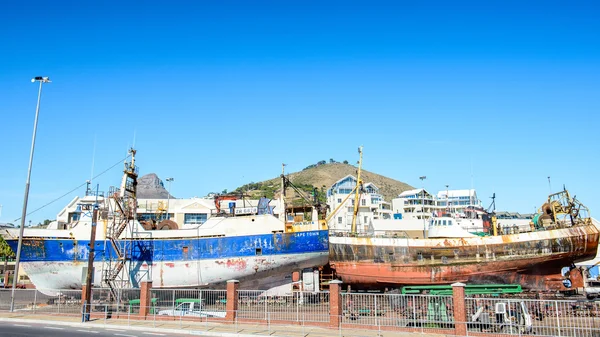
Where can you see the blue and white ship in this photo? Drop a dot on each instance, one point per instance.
(260, 250)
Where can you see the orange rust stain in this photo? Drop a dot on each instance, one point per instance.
(236, 264)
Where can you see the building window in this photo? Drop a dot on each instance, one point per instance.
(366, 219)
(363, 202)
(194, 218)
(339, 219)
(339, 200)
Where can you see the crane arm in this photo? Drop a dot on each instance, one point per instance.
(219, 198)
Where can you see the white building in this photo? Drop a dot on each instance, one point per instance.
(185, 212)
(419, 203)
(371, 208)
(412, 201)
(455, 201)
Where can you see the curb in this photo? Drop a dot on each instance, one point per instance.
(132, 328)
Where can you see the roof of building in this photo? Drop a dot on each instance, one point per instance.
(410, 192)
(456, 193)
(371, 184)
(353, 178)
(344, 178)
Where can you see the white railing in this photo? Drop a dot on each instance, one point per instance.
(540, 317)
(203, 299)
(297, 306)
(398, 310)
(389, 312)
(42, 301)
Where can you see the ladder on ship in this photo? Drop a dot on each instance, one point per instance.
(124, 267)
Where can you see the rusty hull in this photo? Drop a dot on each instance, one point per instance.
(533, 260)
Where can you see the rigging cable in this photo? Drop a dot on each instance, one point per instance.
(75, 189)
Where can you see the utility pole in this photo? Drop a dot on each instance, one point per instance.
(90, 268)
(169, 180)
(42, 80)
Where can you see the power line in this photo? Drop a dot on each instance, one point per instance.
(75, 189)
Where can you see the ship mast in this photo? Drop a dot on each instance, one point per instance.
(358, 190)
(281, 200)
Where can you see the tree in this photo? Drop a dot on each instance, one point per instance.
(345, 162)
(5, 250)
(224, 191)
(5, 253)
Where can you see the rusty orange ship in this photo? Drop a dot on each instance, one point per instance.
(562, 234)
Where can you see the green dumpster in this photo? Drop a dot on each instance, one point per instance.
(134, 305)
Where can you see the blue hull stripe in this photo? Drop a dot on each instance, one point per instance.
(189, 249)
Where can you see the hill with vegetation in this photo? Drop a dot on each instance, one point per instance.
(321, 176)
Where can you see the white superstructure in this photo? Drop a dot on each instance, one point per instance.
(187, 213)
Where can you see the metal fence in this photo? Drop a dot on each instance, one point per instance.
(427, 313)
(398, 311)
(579, 318)
(211, 302)
(45, 301)
(297, 306)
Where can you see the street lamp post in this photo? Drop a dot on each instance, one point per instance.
(447, 200)
(423, 206)
(42, 80)
(169, 180)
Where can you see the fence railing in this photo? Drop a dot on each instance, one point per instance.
(398, 310)
(297, 307)
(404, 312)
(181, 299)
(46, 301)
(540, 317)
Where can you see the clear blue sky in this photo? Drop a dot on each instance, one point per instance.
(217, 94)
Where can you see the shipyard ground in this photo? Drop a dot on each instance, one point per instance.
(72, 326)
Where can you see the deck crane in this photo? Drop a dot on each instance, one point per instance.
(320, 207)
(492, 208)
(221, 197)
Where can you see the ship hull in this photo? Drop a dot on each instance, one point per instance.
(254, 272)
(260, 260)
(533, 260)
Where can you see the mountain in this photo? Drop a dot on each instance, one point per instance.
(325, 174)
(151, 187)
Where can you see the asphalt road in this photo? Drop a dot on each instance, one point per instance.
(47, 330)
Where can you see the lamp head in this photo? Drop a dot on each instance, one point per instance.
(44, 79)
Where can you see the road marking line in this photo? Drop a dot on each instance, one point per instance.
(90, 331)
(22, 325)
(55, 328)
(117, 330)
(120, 334)
(154, 333)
